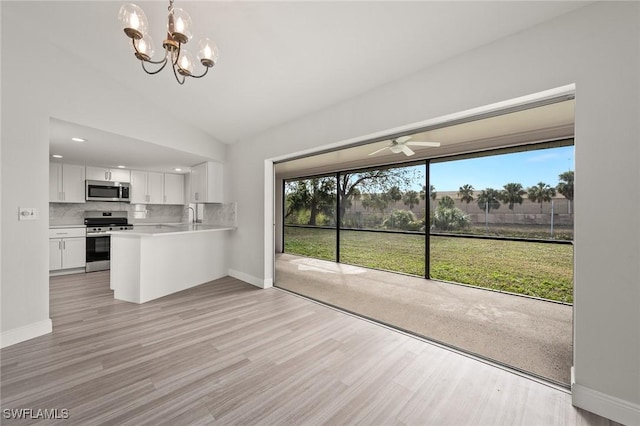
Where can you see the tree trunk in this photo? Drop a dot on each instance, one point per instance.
(313, 214)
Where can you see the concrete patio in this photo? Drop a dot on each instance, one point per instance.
(530, 335)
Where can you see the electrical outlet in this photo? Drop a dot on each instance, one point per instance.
(27, 213)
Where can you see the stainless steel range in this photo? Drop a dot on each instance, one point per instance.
(99, 224)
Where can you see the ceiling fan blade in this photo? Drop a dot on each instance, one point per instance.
(402, 139)
(418, 143)
(407, 151)
(380, 150)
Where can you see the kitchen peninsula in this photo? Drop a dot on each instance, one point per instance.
(157, 260)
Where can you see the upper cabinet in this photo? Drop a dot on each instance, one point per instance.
(206, 183)
(156, 188)
(173, 188)
(66, 183)
(147, 187)
(108, 175)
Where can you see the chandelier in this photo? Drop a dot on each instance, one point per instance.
(135, 26)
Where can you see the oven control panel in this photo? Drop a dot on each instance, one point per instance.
(103, 229)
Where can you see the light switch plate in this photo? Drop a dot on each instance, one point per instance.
(27, 213)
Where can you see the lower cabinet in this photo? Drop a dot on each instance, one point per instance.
(67, 248)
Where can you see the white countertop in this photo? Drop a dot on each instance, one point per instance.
(67, 226)
(146, 230)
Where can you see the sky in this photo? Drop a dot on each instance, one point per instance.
(527, 168)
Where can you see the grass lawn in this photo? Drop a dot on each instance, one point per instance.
(534, 269)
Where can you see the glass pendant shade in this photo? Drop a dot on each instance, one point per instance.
(145, 48)
(133, 21)
(179, 25)
(185, 63)
(207, 52)
(135, 25)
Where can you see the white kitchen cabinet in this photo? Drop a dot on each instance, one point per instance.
(155, 187)
(108, 175)
(206, 183)
(67, 248)
(147, 187)
(55, 254)
(66, 183)
(173, 188)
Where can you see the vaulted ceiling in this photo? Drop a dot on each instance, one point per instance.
(280, 61)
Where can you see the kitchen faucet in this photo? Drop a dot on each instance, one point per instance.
(194, 214)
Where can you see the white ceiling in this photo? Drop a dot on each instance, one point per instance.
(283, 60)
(111, 150)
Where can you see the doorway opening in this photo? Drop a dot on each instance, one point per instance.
(343, 231)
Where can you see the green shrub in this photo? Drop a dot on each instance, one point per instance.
(402, 219)
(450, 219)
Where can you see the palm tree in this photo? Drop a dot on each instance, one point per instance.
(446, 202)
(489, 199)
(565, 187)
(465, 193)
(541, 193)
(379, 202)
(511, 194)
(411, 199)
(394, 194)
(432, 192)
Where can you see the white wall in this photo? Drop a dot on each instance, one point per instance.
(597, 48)
(40, 81)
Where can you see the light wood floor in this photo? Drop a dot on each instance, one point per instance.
(229, 353)
(527, 334)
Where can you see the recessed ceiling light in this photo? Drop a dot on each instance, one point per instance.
(78, 140)
(121, 167)
(57, 156)
(177, 169)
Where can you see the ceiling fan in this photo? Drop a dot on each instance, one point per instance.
(400, 144)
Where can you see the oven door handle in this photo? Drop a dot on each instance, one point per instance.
(98, 234)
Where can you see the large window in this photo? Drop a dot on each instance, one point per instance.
(382, 218)
(505, 221)
(499, 220)
(310, 217)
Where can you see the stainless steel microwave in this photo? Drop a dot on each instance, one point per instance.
(107, 191)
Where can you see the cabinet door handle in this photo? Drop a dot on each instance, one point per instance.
(64, 245)
(60, 245)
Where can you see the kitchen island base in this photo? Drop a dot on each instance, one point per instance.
(146, 266)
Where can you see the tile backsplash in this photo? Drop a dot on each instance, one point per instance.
(221, 214)
(73, 214)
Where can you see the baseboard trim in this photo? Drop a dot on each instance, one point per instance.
(67, 272)
(20, 334)
(608, 406)
(250, 279)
